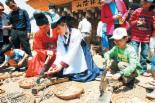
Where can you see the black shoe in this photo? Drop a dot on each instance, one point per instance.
(131, 84)
(17, 69)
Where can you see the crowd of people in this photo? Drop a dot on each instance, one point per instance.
(61, 48)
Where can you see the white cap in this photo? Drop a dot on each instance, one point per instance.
(119, 33)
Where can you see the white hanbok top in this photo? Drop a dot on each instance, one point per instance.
(73, 55)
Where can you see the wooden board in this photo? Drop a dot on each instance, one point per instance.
(48, 83)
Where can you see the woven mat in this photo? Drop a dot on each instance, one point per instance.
(138, 92)
(126, 98)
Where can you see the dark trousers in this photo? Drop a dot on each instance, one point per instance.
(111, 42)
(19, 38)
(143, 53)
(6, 40)
(116, 67)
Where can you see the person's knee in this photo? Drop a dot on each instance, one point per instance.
(122, 65)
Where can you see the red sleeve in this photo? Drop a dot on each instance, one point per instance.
(134, 18)
(64, 65)
(104, 10)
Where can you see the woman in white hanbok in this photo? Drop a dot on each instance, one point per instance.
(73, 56)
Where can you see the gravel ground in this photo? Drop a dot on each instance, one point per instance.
(90, 95)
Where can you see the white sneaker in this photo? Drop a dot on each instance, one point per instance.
(151, 95)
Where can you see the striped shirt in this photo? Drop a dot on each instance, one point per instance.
(141, 33)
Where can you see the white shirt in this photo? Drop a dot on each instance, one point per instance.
(101, 27)
(74, 56)
(85, 26)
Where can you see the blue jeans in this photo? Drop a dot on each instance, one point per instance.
(143, 53)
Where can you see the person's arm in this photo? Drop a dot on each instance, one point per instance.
(28, 24)
(110, 54)
(7, 27)
(125, 11)
(133, 60)
(56, 66)
(134, 18)
(109, 19)
(23, 59)
(65, 60)
(3, 64)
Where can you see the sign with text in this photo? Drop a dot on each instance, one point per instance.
(85, 4)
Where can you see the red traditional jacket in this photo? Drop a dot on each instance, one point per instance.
(42, 43)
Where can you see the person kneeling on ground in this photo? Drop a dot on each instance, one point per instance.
(73, 56)
(123, 59)
(14, 57)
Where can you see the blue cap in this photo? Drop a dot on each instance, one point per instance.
(54, 18)
(153, 63)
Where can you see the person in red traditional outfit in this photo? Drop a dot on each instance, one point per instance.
(44, 46)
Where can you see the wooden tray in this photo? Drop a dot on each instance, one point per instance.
(68, 90)
(17, 74)
(27, 83)
(4, 76)
(147, 85)
(126, 98)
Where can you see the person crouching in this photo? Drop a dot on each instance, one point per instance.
(123, 58)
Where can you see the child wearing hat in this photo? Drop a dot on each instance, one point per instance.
(14, 57)
(123, 58)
